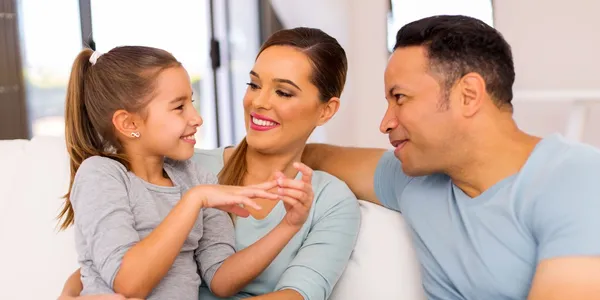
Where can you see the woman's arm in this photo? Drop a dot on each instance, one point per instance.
(323, 256)
(73, 286)
(242, 267)
(280, 295)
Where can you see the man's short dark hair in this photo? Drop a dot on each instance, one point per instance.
(458, 45)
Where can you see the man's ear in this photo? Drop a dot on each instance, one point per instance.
(472, 94)
(328, 110)
(126, 123)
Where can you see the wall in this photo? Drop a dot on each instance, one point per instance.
(553, 45)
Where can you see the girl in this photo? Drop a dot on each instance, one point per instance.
(144, 214)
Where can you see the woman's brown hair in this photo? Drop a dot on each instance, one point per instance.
(329, 68)
(123, 78)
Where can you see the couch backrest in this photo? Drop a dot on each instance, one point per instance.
(36, 258)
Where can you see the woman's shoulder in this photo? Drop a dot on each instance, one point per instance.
(211, 159)
(332, 193)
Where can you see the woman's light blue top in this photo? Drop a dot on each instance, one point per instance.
(317, 255)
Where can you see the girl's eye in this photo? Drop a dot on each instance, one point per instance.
(180, 107)
(283, 94)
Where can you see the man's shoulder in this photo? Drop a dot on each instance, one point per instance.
(564, 166)
(572, 159)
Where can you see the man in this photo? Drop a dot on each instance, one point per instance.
(496, 213)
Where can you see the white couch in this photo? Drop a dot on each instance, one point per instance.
(36, 258)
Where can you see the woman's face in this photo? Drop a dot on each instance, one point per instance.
(281, 105)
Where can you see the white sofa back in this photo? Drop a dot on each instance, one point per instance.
(36, 258)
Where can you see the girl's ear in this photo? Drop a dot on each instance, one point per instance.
(125, 123)
(328, 110)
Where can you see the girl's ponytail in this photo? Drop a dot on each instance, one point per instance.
(82, 141)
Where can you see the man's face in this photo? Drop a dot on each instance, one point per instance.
(421, 125)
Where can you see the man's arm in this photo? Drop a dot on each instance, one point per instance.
(575, 278)
(565, 225)
(355, 166)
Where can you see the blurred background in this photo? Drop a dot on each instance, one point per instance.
(554, 43)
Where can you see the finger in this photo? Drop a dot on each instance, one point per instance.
(291, 201)
(265, 185)
(293, 184)
(237, 210)
(279, 174)
(256, 193)
(247, 202)
(293, 193)
(307, 172)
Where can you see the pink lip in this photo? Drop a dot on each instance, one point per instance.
(255, 115)
(260, 127)
(398, 144)
(193, 142)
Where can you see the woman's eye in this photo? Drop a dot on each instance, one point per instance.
(252, 85)
(283, 94)
(180, 107)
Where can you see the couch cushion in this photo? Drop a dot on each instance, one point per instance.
(383, 264)
(36, 258)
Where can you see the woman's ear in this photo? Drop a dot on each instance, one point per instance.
(328, 110)
(126, 123)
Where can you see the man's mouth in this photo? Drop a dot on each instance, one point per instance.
(398, 143)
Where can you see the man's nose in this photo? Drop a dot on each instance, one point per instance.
(389, 122)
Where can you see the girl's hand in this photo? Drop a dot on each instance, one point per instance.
(297, 195)
(228, 198)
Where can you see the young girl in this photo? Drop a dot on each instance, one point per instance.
(144, 215)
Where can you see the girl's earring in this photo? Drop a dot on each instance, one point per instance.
(135, 134)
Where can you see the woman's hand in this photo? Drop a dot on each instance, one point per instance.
(228, 198)
(297, 195)
(97, 297)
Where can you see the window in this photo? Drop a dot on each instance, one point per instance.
(49, 42)
(403, 12)
(183, 27)
(180, 27)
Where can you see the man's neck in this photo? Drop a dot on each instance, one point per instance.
(499, 152)
(262, 167)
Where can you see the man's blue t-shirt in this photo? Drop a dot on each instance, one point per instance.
(488, 247)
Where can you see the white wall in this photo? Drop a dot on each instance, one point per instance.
(555, 47)
(360, 27)
(553, 42)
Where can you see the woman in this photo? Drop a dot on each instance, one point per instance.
(294, 86)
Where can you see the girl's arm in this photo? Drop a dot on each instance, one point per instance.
(133, 267)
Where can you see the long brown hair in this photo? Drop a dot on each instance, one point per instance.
(122, 78)
(329, 68)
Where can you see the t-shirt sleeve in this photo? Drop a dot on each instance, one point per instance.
(217, 243)
(566, 217)
(390, 181)
(103, 214)
(326, 250)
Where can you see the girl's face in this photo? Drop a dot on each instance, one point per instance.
(282, 106)
(170, 121)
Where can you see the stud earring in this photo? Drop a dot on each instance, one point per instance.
(135, 134)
